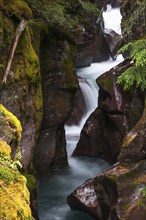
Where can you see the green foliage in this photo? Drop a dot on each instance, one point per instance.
(133, 24)
(136, 74)
(62, 15)
(13, 121)
(19, 8)
(142, 201)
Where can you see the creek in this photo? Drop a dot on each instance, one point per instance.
(60, 182)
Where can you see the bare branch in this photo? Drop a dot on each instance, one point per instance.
(21, 27)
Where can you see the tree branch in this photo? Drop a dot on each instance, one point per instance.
(21, 27)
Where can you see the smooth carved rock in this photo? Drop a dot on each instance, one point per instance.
(110, 119)
(59, 85)
(84, 199)
(114, 195)
(114, 42)
(90, 44)
(119, 191)
(51, 149)
(95, 139)
(78, 110)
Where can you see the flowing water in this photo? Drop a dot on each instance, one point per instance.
(59, 183)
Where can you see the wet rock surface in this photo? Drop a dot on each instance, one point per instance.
(114, 42)
(117, 113)
(116, 194)
(91, 46)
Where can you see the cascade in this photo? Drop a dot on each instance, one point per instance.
(59, 183)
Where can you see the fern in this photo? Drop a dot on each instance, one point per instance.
(136, 74)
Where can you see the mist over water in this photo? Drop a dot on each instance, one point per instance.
(59, 183)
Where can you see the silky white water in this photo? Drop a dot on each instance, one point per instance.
(59, 183)
(112, 19)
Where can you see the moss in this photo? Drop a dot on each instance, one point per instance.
(15, 200)
(63, 16)
(26, 62)
(13, 121)
(1, 3)
(5, 149)
(37, 30)
(69, 67)
(13, 192)
(106, 84)
(19, 8)
(31, 182)
(7, 34)
(8, 175)
(113, 177)
(90, 8)
(38, 103)
(1, 23)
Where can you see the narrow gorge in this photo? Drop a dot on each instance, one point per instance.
(58, 184)
(72, 109)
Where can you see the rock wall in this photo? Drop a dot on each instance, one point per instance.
(22, 93)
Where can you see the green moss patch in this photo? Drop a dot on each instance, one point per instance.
(69, 67)
(26, 62)
(5, 149)
(31, 182)
(19, 8)
(62, 15)
(13, 121)
(14, 196)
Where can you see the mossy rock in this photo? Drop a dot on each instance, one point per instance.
(69, 67)
(5, 149)
(14, 196)
(13, 122)
(63, 16)
(26, 63)
(17, 8)
(31, 182)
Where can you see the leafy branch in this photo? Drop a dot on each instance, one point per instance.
(136, 74)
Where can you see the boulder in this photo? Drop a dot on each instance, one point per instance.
(95, 139)
(117, 3)
(84, 199)
(90, 44)
(114, 42)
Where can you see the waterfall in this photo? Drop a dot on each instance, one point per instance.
(59, 183)
(112, 14)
